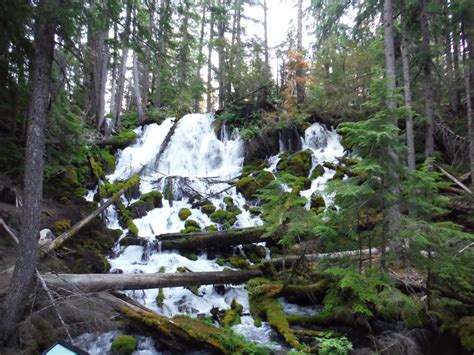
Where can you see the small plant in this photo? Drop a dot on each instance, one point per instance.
(331, 344)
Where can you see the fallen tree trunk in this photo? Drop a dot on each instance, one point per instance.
(107, 282)
(210, 240)
(453, 179)
(48, 247)
(115, 143)
(290, 260)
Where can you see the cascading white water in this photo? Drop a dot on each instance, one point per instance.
(195, 161)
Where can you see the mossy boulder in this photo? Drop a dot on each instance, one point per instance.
(125, 218)
(208, 209)
(317, 172)
(298, 164)
(154, 197)
(255, 211)
(224, 218)
(317, 201)
(247, 186)
(184, 213)
(189, 255)
(263, 178)
(211, 228)
(255, 253)
(190, 230)
(192, 223)
(230, 206)
(124, 345)
(238, 262)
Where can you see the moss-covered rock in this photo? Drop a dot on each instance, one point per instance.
(160, 298)
(208, 209)
(189, 255)
(247, 186)
(224, 218)
(230, 206)
(298, 164)
(317, 201)
(190, 230)
(211, 228)
(140, 208)
(238, 262)
(263, 178)
(255, 211)
(317, 172)
(61, 226)
(124, 345)
(154, 197)
(192, 223)
(126, 219)
(184, 213)
(232, 315)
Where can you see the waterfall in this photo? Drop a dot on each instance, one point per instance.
(196, 163)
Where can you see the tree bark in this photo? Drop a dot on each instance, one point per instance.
(108, 282)
(467, 45)
(427, 69)
(407, 90)
(265, 51)
(299, 47)
(211, 240)
(221, 29)
(210, 47)
(123, 70)
(392, 213)
(25, 266)
(198, 94)
(136, 89)
(165, 9)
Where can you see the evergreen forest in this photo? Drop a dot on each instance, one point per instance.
(237, 177)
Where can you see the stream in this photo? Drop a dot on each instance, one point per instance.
(195, 161)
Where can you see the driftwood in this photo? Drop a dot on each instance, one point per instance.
(210, 240)
(107, 282)
(48, 247)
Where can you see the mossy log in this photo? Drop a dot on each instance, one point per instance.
(106, 282)
(57, 242)
(210, 240)
(119, 141)
(181, 332)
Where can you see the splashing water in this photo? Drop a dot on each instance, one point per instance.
(196, 162)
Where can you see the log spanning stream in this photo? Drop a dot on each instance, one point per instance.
(194, 160)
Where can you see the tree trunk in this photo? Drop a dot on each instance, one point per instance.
(136, 89)
(407, 90)
(165, 9)
(210, 47)
(197, 94)
(23, 275)
(467, 45)
(456, 88)
(123, 69)
(299, 47)
(427, 69)
(108, 282)
(392, 213)
(145, 73)
(221, 29)
(113, 79)
(265, 50)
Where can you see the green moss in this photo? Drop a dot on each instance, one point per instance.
(189, 255)
(160, 298)
(317, 172)
(220, 261)
(225, 218)
(317, 201)
(124, 344)
(70, 177)
(211, 228)
(298, 164)
(263, 178)
(238, 262)
(232, 315)
(125, 218)
(184, 213)
(154, 197)
(255, 211)
(247, 186)
(190, 230)
(230, 207)
(123, 138)
(208, 209)
(192, 223)
(61, 226)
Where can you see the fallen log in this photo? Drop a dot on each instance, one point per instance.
(165, 143)
(55, 243)
(290, 260)
(115, 143)
(107, 282)
(210, 240)
(456, 181)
